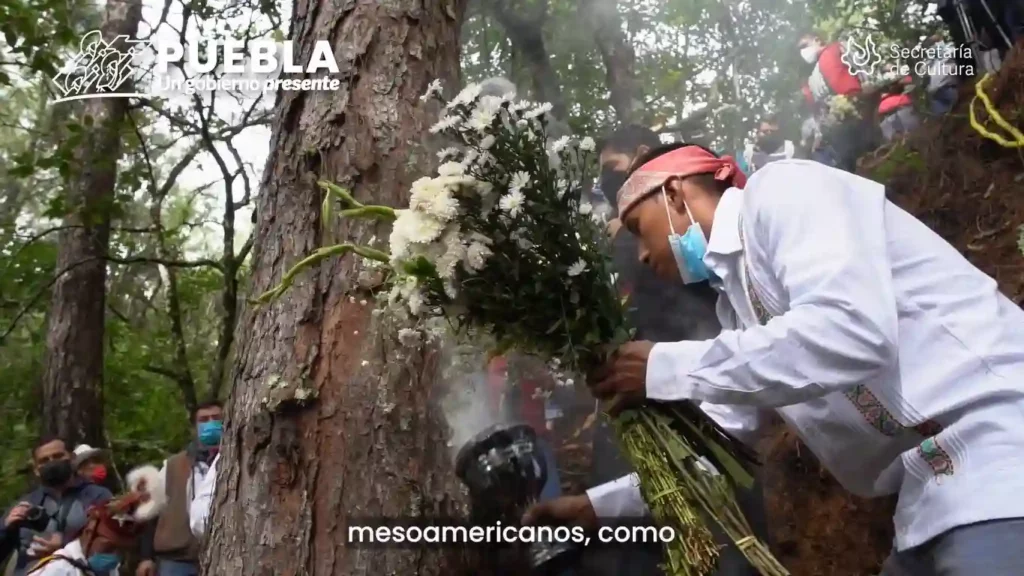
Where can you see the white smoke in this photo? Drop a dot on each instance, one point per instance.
(468, 406)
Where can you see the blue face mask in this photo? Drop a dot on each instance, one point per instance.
(688, 248)
(104, 563)
(209, 432)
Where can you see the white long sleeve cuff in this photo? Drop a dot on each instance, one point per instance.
(618, 498)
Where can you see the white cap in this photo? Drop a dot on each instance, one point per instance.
(83, 452)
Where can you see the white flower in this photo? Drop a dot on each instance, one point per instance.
(586, 208)
(485, 159)
(433, 88)
(466, 97)
(484, 113)
(587, 144)
(454, 252)
(538, 111)
(485, 188)
(522, 124)
(445, 123)
(408, 337)
(471, 156)
(487, 142)
(447, 153)
(412, 227)
(451, 169)
(577, 268)
(519, 181)
(512, 203)
(476, 256)
(560, 144)
(520, 106)
(430, 195)
(415, 301)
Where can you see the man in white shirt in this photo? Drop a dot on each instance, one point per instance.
(898, 363)
(199, 510)
(170, 549)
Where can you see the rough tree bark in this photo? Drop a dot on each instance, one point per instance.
(72, 403)
(329, 418)
(602, 17)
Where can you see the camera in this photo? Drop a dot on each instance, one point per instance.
(36, 519)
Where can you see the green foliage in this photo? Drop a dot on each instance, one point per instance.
(739, 59)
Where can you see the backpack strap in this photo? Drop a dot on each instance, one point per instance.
(56, 557)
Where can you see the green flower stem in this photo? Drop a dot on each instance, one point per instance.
(343, 195)
(385, 213)
(314, 258)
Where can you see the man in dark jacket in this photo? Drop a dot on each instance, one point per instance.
(63, 498)
(661, 312)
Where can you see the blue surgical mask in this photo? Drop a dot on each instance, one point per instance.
(104, 563)
(210, 432)
(688, 248)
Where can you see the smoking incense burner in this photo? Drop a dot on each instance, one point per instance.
(505, 471)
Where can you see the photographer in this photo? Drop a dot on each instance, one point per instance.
(42, 521)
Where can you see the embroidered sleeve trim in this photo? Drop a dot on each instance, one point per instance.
(870, 407)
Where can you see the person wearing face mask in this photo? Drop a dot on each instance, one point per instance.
(112, 528)
(42, 520)
(883, 108)
(661, 310)
(89, 463)
(170, 548)
(770, 146)
(897, 362)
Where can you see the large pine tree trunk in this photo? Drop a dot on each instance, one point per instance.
(73, 377)
(329, 417)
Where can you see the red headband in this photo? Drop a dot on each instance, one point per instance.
(679, 163)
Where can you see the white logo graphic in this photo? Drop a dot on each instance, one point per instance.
(118, 69)
(861, 58)
(99, 70)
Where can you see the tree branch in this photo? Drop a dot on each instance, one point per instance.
(203, 262)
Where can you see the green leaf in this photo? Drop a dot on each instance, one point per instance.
(21, 171)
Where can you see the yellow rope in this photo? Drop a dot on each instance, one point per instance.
(979, 94)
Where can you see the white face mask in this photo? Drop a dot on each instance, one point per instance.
(810, 53)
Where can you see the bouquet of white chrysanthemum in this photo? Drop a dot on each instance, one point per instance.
(503, 240)
(502, 243)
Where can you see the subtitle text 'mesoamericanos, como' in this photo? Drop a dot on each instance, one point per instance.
(389, 533)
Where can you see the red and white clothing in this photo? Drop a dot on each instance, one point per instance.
(831, 77)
